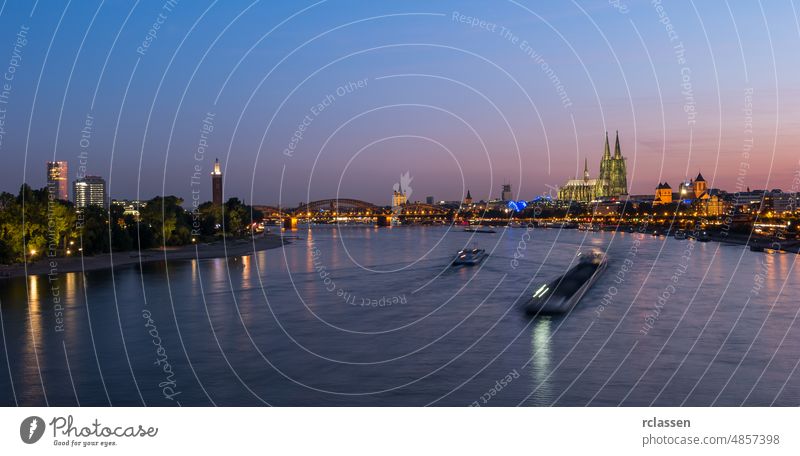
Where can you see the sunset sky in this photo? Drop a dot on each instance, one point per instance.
(461, 95)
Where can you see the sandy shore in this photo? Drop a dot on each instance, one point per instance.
(230, 248)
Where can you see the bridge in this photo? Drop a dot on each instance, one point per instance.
(269, 212)
(337, 210)
(337, 207)
(353, 210)
(423, 213)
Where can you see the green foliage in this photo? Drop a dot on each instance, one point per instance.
(48, 227)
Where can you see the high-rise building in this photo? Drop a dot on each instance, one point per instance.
(89, 191)
(216, 184)
(57, 173)
(428, 200)
(506, 194)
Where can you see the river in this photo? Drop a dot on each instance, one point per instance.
(376, 316)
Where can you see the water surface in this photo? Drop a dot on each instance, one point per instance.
(375, 316)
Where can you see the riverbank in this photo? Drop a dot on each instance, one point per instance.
(757, 242)
(753, 241)
(230, 248)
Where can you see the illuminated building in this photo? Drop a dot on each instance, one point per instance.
(57, 173)
(783, 202)
(399, 197)
(663, 194)
(89, 191)
(613, 180)
(216, 184)
(713, 206)
(468, 199)
(700, 188)
(130, 207)
(611, 183)
(583, 190)
(695, 193)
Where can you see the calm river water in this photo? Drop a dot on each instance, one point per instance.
(374, 316)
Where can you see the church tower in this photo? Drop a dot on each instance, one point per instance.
(602, 187)
(618, 176)
(585, 169)
(700, 186)
(399, 197)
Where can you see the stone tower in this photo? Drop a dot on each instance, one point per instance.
(700, 186)
(602, 186)
(618, 178)
(216, 184)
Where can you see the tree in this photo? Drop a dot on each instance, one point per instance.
(94, 232)
(165, 216)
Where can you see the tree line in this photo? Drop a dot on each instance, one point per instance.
(33, 224)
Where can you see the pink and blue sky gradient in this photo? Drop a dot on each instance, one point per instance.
(521, 94)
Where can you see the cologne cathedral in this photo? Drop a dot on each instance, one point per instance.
(611, 183)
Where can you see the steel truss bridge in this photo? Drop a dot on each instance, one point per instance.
(348, 209)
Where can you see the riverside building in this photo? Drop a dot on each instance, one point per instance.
(612, 181)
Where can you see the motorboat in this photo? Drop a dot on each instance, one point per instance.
(680, 235)
(703, 236)
(469, 257)
(562, 294)
(479, 229)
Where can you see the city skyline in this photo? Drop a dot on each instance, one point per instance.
(350, 203)
(85, 189)
(681, 106)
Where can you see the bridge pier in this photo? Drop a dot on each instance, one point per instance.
(290, 223)
(383, 220)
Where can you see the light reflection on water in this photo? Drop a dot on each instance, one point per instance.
(724, 336)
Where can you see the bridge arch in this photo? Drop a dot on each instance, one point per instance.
(338, 205)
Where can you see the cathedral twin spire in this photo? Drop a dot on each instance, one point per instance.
(613, 180)
(611, 183)
(607, 150)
